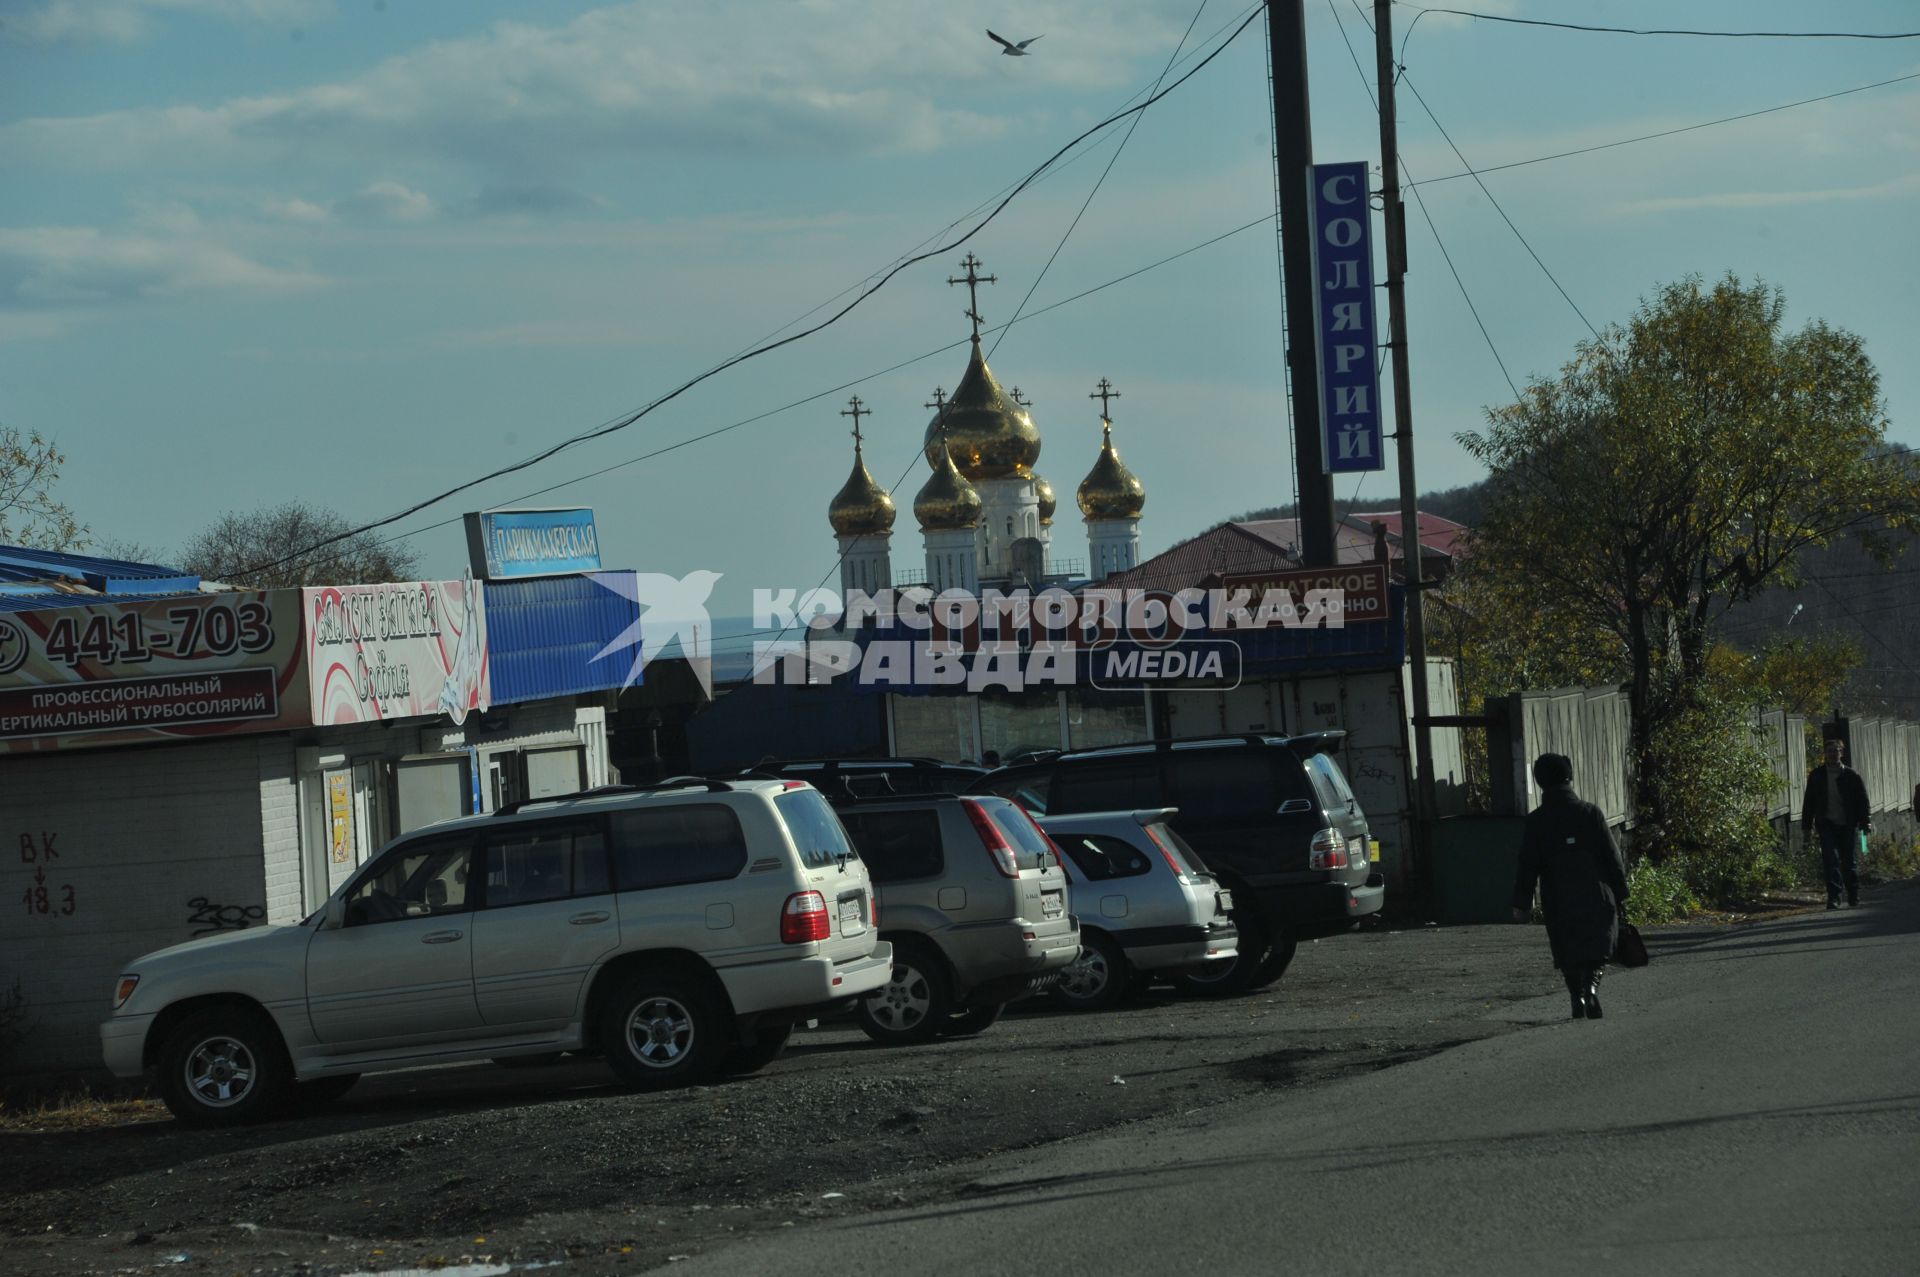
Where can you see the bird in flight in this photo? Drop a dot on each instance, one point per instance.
(1009, 49)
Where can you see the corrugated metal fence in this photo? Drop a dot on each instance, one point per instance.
(1784, 737)
(1886, 753)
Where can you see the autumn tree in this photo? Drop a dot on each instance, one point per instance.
(282, 547)
(1676, 467)
(29, 516)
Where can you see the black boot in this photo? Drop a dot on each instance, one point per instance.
(1577, 991)
(1592, 992)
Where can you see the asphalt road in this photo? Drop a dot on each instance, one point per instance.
(1750, 1104)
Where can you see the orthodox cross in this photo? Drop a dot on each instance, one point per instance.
(1024, 403)
(939, 404)
(856, 410)
(973, 280)
(1104, 393)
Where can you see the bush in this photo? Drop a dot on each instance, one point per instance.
(1890, 856)
(1658, 893)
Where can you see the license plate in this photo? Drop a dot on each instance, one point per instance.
(853, 916)
(1052, 903)
(1373, 851)
(1225, 899)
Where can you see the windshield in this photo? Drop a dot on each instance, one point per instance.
(817, 832)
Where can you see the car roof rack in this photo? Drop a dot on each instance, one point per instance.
(1317, 742)
(602, 791)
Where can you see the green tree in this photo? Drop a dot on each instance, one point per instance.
(29, 467)
(273, 548)
(1676, 467)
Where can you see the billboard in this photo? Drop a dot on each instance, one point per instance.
(1362, 589)
(180, 668)
(504, 544)
(1351, 436)
(407, 649)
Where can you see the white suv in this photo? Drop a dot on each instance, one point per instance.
(680, 929)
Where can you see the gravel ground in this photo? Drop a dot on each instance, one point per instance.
(444, 1166)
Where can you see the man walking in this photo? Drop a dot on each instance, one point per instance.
(1836, 802)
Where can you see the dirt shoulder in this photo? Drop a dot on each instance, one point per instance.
(436, 1167)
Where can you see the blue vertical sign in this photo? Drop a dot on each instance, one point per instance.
(1351, 438)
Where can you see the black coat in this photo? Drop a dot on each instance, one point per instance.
(1853, 796)
(1569, 851)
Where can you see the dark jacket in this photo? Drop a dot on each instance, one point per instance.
(1569, 851)
(1853, 796)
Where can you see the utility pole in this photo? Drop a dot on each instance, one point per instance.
(1293, 152)
(1395, 216)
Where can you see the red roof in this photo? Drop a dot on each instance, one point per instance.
(1270, 545)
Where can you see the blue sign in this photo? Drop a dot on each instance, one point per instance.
(1351, 437)
(504, 544)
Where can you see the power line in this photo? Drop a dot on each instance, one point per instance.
(628, 420)
(1731, 35)
(1111, 161)
(1422, 204)
(845, 385)
(1650, 137)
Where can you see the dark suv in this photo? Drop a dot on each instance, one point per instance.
(840, 778)
(1272, 816)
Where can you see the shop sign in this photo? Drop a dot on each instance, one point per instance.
(1353, 594)
(504, 544)
(1350, 431)
(407, 649)
(181, 668)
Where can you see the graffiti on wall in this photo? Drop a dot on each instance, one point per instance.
(211, 919)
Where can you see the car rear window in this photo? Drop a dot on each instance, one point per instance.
(1183, 853)
(817, 832)
(1031, 787)
(1331, 781)
(1107, 784)
(897, 846)
(1029, 844)
(1099, 858)
(672, 845)
(1215, 787)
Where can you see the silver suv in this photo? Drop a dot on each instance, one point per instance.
(680, 929)
(974, 901)
(1148, 906)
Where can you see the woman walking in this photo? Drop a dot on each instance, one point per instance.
(1569, 852)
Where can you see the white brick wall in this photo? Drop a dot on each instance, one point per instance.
(280, 829)
(137, 835)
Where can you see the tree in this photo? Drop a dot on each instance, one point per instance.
(29, 467)
(1679, 466)
(271, 548)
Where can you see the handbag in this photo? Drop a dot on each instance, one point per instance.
(1630, 950)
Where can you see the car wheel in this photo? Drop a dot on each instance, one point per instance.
(914, 1002)
(539, 1061)
(224, 1066)
(1275, 964)
(1095, 980)
(768, 1042)
(1228, 977)
(663, 1028)
(973, 1020)
(322, 1091)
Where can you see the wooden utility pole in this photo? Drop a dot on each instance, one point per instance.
(1293, 151)
(1395, 216)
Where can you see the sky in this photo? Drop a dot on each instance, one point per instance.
(354, 252)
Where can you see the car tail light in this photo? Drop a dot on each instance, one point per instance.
(792, 785)
(805, 918)
(1058, 857)
(873, 908)
(124, 990)
(1166, 853)
(1329, 850)
(995, 842)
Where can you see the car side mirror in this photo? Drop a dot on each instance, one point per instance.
(1295, 806)
(335, 915)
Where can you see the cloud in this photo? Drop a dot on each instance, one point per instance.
(385, 202)
(124, 21)
(512, 200)
(631, 79)
(75, 266)
(294, 210)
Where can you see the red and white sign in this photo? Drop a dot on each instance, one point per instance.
(1361, 587)
(405, 650)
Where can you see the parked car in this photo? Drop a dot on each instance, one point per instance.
(1147, 905)
(680, 929)
(866, 777)
(1272, 816)
(975, 903)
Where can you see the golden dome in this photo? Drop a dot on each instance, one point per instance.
(1048, 502)
(988, 434)
(861, 507)
(1110, 490)
(947, 500)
